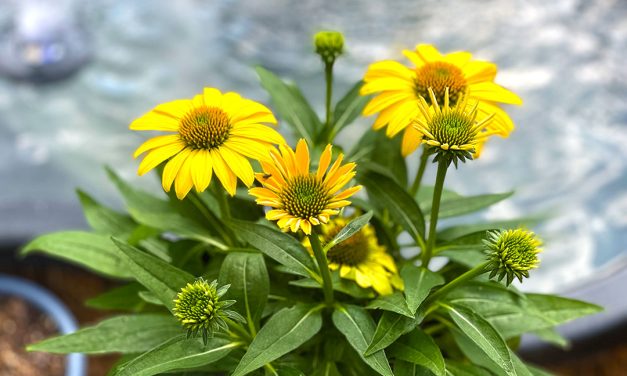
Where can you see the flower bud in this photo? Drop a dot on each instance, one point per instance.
(199, 309)
(329, 45)
(512, 253)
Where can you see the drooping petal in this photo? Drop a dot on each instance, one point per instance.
(223, 172)
(156, 156)
(156, 142)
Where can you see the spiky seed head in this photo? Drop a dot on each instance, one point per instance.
(512, 253)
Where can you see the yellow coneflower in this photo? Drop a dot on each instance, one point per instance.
(453, 130)
(400, 89)
(360, 258)
(213, 132)
(300, 198)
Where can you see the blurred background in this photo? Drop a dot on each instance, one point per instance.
(73, 74)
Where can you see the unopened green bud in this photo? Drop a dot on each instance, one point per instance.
(512, 253)
(200, 310)
(329, 45)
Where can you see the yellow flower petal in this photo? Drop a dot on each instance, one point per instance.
(156, 156)
(411, 140)
(183, 182)
(238, 164)
(172, 168)
(156, 142)
(223, 172)
(490, 91)
(202, 170)
(302, 157)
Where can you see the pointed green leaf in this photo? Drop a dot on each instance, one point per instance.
(123, 298)
(513, 314)
(250, 284)
(389, 328)
(557, 310)
(96, 252)
(277, 245)
(403, 368)
(342, 285)
(551, 335)
(291, 105)
(121, 334)
(454, 368)
(349, 108)
(104, 220)
(402, 207)
(154, 212)
(483, 335)
(418, 283)
(452, 207)
(394, 303)
(358, 328)
(177, 354)
(419, 348)
(349, 230)
(159, 277)
(284, 332)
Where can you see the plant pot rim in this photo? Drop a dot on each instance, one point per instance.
(75, 364)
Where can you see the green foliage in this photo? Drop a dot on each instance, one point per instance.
(91, 250)
(121, 334)
(446, 322)
(177, 353)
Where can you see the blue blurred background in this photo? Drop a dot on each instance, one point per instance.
(74, 74)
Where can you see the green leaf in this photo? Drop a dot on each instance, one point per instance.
(424, 196)
(419, 348)
(402, 207)
(418, 283)
(154, 212)
(513, 314)
(483, 335)
(104, 220)
(358, 328)
(342, 285)
(96, 252)
(469, 257)
(121, 334)
(349, 108)
(381, 154)
(394, 303)
(250, 284)
(349, 230)
(159, 277)
(389, 328)
(177, 354)
(454, 368)
(284, 332)
(291, 105)
(457, 231)
(327, 369)
(403, 368)
(557, 310)
(453, 207)
(551, 335)
(124, 298)
(277, 245)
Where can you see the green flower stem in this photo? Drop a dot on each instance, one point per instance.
(424, 158)
(224, 205)
(328, 75)
(435, 210)
(472, 273)
(211, 218)
(323, 265)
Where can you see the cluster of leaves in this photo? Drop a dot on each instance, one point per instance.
(163, 243)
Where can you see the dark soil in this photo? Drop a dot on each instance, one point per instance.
(22, 324)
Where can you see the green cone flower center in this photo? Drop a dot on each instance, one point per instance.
(512, 253)
(517, 252)
(195, 305)
(205, 127)
(304, 196)
(353, 251)
(452, 127)
(438, 76)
